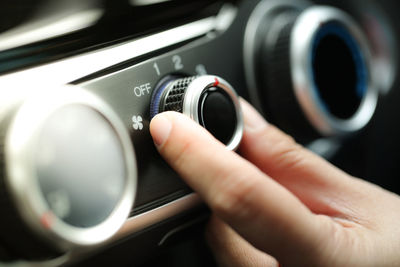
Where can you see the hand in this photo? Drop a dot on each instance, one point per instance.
(282, 199)
(231, 250)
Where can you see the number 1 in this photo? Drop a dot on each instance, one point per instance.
(155, 66)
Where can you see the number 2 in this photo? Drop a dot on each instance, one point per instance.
(177, 60)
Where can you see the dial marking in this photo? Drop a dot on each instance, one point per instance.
(216, 82)
(47, 220)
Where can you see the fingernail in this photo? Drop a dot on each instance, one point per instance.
(252, 119)
(160, 129)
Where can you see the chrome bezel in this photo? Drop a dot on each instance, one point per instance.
(20, 143)
(192, 100)
(303, 33)
(307, 25)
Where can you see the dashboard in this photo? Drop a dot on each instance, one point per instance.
(81, 182)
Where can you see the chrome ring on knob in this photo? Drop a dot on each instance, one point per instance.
(192, 101)
(305, 32)
(190, 98)
(23, 174)
(309, 25)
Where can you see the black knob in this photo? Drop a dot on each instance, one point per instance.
(309, 69)
(68, 176)
(209, 100)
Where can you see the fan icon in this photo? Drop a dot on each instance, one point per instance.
(137, 123)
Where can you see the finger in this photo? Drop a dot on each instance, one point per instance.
(257, 207)
(232, 250)
(322, 187)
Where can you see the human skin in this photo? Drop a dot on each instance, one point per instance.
(278, 202)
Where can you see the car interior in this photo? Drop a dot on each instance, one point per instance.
(82, 183)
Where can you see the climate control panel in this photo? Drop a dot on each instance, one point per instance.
(79, 169)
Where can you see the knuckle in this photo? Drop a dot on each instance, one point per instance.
(288, 154)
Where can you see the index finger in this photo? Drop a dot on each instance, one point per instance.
(257, 207)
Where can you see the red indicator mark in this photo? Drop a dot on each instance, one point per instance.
(216, 82)
(47, 220)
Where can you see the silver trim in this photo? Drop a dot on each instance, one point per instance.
(21, 179)
(192, 98)
(71, 69)
(144, 220)
(226, 17)
(146, 2)
(49, 28)
(50, 263)
(306, 26)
